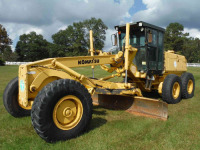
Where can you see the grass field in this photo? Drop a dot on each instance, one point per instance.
(110, 129)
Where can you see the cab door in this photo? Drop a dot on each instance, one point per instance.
(154, 52)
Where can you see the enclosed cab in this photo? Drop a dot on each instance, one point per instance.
(148, 39)
(152, 68)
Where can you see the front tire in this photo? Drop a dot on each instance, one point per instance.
(62, 110)
(171, 91)
(10, 100)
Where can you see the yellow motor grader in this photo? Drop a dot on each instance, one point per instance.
(60, 99)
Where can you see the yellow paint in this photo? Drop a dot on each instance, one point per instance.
(127, 48)
(73, 61)
(91, 45)
(176, 90)
(190, 86)
(174, 62)
(160, 87)
(138, 74)
(28, 107)
(67, 112)
(23, 86)
(38, 80)
(119, 56)
(136, 91)
(68, 70)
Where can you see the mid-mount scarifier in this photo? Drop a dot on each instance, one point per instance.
(60, 100)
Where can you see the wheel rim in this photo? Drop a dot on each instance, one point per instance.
(67, 112)
(176, 90)
(190, 86)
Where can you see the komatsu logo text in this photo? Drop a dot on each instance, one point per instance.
(91, 61)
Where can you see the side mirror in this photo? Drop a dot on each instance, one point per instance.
(114, 39)
(150, 39)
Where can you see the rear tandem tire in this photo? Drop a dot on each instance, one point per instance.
(171, 91)
(62, 110)
(188, 85)
(10, 100)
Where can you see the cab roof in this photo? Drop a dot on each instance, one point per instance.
(140, 24)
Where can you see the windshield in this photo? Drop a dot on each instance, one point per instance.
(136, 39)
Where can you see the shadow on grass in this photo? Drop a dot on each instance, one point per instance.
(96, 123)
(96, 110)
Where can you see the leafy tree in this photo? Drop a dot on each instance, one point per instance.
(9, 55)
(31, 47)
(2, 62)
(174, 37)
(75, 38)
(5, 41)
(191, 49)
(72, 39)
(56, 50)
(99, 31)
(176, 40)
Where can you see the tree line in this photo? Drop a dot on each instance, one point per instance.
(181, 42)
(74, 41)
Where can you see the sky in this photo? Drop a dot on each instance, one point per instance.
(47, 17)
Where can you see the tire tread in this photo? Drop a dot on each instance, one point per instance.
(43, 99)
(185, 78)
(11, 104)
(167, 88)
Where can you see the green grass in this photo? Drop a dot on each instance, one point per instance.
(110, 129)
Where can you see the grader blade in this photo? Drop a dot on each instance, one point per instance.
(141, 106)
